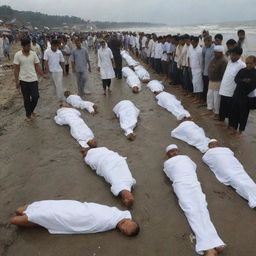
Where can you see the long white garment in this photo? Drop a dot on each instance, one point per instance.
(78, 128)
(130, 61)
(142, 73)
(128, 114)
(181, 170)
(133, 81)
(213, 101)
(77, 102)
(192, 134)
(155, 86)
(57, 78)
(73, 217)
(128, 72)
(104, 62)
(229, 171)
(112, 167)
(169, 102)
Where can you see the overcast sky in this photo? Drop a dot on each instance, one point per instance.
(155, 11)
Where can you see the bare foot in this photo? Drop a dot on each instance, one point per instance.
(220, 249)
(35, 114)
(208, 113)
(216, 117)
(220, 123)
(28, 120)
(109, 91)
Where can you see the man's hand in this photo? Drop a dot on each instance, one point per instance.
(89, 69)
(98, 69)
(17, 85)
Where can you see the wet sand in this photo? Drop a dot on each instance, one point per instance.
(42, 161)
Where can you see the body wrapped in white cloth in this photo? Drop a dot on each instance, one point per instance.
(229, 171)
(77, 102)
(181, 170)
(130, 61)
(112, 167)
(169, 102)
(192, 134)
(128, 72)
(155, 86)
(142, 73)
(73, 217)
(78, 128)
(133, 81)
(128, 115)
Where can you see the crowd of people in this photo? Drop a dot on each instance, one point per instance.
(198, 66)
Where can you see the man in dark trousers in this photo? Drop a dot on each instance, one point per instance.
(115, 46)
(246, 83)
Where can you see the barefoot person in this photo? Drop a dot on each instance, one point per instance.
(181, 170)
(26, 68)
(230, 172)
(105, 66)
(77, 102)
(78, 128)
(115, 171)
(128, 115)
(74, 217)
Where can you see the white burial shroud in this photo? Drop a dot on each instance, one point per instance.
(229, 171)
(133, 81)
(77, 102)
(142, 73)
(78, 128)
(127, 57)
(181, 170)
(128, 72)
(169, 102)
(128, 115)
(112, 167)
(192, 134)
(155, 86)
(73, 217)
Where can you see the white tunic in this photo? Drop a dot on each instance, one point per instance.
(104, 62)
(192, 134)
(195, 60)
(181, 170)
(78, 129)
(169, 102)
(229, 171)
(128, 114)
(128, 72)
(133, 81)
(155, 86)
(77, 102)
(142, 73)
(73, 217)
(112, 167)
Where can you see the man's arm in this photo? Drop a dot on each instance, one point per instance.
(63, 68)
(89, 66)
(38, 69)
(16, 75)
(46, 66)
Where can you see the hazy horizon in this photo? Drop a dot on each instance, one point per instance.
(170, 12)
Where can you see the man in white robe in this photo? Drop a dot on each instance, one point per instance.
(78, 128)
(77, 102)
(105, 66)
(155, 86)
(192, 134)
(181, 170)
(115, 171)
(169, 102)
(134, 82)
(142, 73)
(230, 172)
(74, 217)
(128, 115)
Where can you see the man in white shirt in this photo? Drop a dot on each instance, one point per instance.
(54, 63)
(165, 58)
(36, 48)
(228, 84)
(158, 55)
(26, 67)
(74, 217)
(181, 170)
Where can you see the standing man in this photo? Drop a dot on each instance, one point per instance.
(79, 60)
(54, 63)
(158, 55)
(105, 66)
(242, 43)
(228, 84)
(207, 57)
(26, 67)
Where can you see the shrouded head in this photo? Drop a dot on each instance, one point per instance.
(92, 143)
(135, 89)
(128, 227)
(172, 150)
(213, 143)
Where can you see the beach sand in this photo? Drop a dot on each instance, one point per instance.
(42, 161)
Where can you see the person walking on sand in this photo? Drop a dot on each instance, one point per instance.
(26, 68)
(105, 66)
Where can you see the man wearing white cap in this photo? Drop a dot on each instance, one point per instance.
(181, 170)
(216, 71)
(128, 115)
(229, 171)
